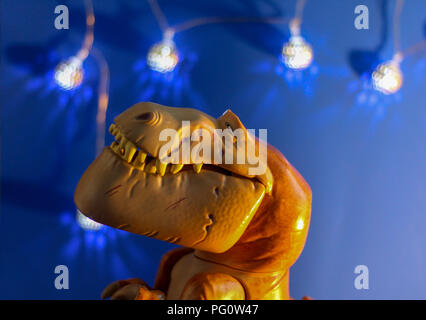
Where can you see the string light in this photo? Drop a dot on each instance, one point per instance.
(87, 223)
(69, 74)
(297, 54)
(387, 78)
(163, 56)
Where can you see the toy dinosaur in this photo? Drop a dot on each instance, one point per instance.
(240, 233)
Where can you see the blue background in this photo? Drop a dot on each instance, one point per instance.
(363, 153)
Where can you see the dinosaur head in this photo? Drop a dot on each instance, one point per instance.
(193, 201)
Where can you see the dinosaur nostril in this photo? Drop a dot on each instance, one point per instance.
(146, 116)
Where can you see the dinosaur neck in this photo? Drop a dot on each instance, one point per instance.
(258, 250)
(276, 235)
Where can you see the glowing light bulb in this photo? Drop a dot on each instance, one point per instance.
(163, 56)
(387, 78)
(297, 53)
(69, 74)
(87, 223)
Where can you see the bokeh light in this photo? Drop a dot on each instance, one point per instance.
(69, 74)
(387, 78)
(163, 56)
(297, 53)
(87, 223)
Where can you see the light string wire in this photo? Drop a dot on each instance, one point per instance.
(296, 22)
(103, 98)
(400, 54)
(211, 20)
(396, 27)
(300, 5)
(89, 36)
(184, 26)
(296, 54)
(414, 49)
(159, 15)
(103, 86)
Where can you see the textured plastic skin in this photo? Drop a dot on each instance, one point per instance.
(239, 233)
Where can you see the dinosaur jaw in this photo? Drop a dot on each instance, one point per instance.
(142, 160)
(206, 209)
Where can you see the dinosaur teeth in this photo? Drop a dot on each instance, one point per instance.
(113, 129)
(150, 167)
(114, 146)
(123, 141)
(139, 159)
(175, 168)
(138, 165)
(142, 156)
(161, 167)
(139, 162)
(129, 151)
(197, 167)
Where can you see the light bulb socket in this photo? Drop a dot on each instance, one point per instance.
(294, 27)
(75, 61)
(168, 35)
(387, 77)
(397, 58)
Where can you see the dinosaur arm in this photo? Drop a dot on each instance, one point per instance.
(213, 286)
(167, 263)
(137, 289)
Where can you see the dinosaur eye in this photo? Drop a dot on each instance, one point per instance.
(146, 116)
(228, 125)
